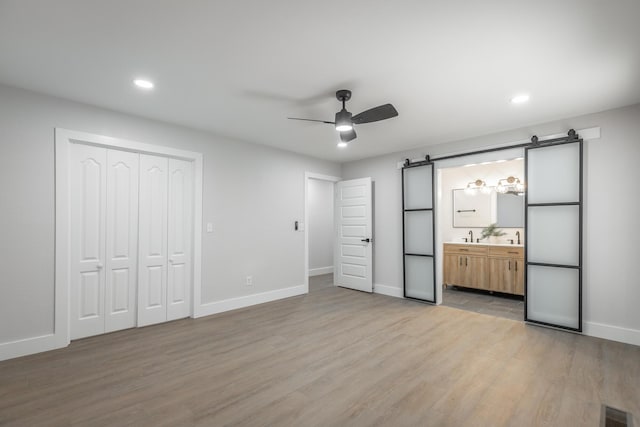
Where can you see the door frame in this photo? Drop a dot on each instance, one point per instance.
(307, 177)
(63, 140)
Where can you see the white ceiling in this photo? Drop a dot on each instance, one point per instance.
(239, 68)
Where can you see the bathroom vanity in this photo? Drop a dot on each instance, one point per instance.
(490, 267)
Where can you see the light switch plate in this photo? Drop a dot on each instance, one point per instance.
(209, 227)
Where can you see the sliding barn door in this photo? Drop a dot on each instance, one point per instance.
(152, 276)
(554, 235)
(121, 266)
(88, 200)
(180, 200)
(418, 231)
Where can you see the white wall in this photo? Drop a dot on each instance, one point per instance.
(252, 195)
(611, 297)
(320, 199)
(459, 177)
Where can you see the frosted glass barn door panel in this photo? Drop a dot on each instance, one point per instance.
(417, 187)
(418, 277)
(152, 274)
(553, 174)
(554, 234)
(180, 220)
(552, 295)
(554, 238)
(87, 228)
(418, 231)
(121, 265)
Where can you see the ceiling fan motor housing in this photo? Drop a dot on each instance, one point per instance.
(343, 117)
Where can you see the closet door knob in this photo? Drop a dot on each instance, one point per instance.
(99, 266)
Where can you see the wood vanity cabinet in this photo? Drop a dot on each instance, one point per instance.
(465, 265)
(488, 267)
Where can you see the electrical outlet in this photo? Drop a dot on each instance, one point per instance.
(249, 280)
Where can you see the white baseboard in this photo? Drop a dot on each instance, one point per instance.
(614, 333)
(248, 300)
(391, 291)
(27, 346)
(321, 270)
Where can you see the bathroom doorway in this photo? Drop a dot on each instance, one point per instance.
(480, 233)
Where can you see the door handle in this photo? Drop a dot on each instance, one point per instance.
(170, 261)
(367, 240)
(99, 266)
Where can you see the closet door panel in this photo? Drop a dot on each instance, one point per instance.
(122, 240)
(180, 232)
(88, 200)
(152, 275)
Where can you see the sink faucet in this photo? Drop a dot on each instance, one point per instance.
(471, 234)
(518, 236)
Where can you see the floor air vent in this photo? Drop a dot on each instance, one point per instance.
(612, 417)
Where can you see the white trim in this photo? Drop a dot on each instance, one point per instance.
(63, 140)
(320, 271)
(610, 332)
(24, 347)
(249, 300)
(307, 177)
(391, 291)
(587, 134)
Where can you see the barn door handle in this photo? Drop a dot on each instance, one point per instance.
(367, 240)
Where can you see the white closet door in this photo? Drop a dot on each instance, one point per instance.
(88, 200)
(152, 276)
(179, 239)
(122, 240)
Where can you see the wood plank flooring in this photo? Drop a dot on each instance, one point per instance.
(495, 304)
(334, 357)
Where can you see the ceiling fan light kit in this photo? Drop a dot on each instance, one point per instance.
(345, 121)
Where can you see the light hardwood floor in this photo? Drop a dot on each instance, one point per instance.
(331, 358)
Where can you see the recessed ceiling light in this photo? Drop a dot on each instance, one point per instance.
(500, 161)
(519, 99)
(469, 165)
(486, 163)
(342, 144)
(143, 84)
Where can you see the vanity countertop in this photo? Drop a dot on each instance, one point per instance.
(485, 244)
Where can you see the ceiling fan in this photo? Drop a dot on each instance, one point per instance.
(344, 120)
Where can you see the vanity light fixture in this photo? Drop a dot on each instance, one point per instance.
(510, 185)
(478, 185)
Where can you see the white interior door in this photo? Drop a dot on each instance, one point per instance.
(353, 235)
(180, 233)
(88, 200)
(121, 265)
(152, 275)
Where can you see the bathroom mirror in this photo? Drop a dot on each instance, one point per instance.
(473, 209)
(480, 209)
(510, 210)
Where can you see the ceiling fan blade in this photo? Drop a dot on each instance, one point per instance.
(311, 120)
(381, 112)
(348, 135)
